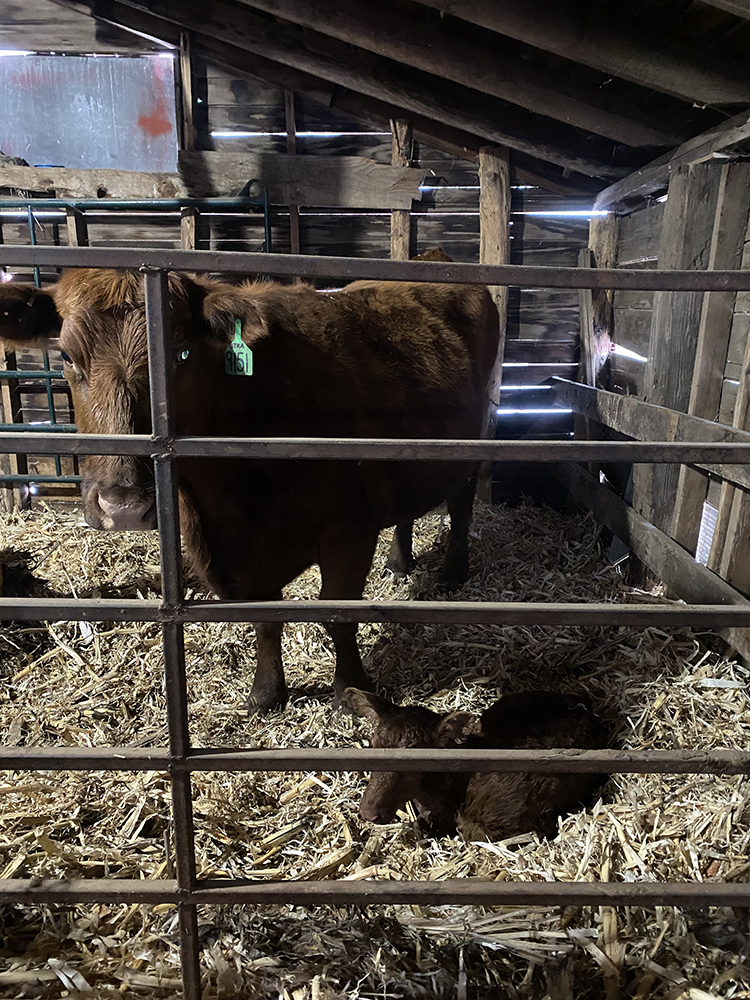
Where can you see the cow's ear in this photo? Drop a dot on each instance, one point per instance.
(224, 306)
(454, 728)
(27, 314)
(368, 705)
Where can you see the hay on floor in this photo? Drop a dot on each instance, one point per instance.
(102, 684)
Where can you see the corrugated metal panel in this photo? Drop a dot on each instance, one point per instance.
(89, 111)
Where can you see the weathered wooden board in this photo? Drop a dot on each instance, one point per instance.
(639, 236)
(353, 182)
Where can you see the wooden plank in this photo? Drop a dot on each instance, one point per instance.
(561, 350)
(351, 182)
(685, 242)
(664, 557)
(402, 155)
(646, 421)
(730, 226)
(593, 37)
(639, 236)
(740, 8)
(494, 248)
(656, 176)
(535, 374)
(94, 183)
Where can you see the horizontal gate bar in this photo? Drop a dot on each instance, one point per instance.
(457, 891)
(378, 449)
(443, 612)
(118, 758)
(282, 265)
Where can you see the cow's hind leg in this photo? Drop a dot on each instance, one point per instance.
(400, 559)
(269, 686)
(345, 560)
(456, 568)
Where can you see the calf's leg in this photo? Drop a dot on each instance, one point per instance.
(456, 569)
(345, 559)
(269, 686)
(400, 559)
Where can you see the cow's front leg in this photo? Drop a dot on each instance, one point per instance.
(345, 560)
(269, 686)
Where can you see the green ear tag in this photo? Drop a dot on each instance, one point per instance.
(238, 358)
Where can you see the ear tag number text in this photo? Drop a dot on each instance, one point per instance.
(238, 358)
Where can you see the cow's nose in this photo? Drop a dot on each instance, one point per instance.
(127, 515)
(374, 812)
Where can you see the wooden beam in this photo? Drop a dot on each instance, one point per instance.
(186, 116)
(78, 231)
(494, 248)
(402, 155)
(488, 69)
(588, 34)
(64, 182)
(685, 243)
(336, 181)
(648, 422)
(653, 178)
(410, 90)
(730, 227)
(740, 8)
(291, 148)
(323, 181)
(662, 555)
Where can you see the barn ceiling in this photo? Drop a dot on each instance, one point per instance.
(582, 93)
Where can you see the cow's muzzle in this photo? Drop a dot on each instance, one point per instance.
(120, 510)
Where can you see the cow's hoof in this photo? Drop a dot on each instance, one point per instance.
(259, 701)
(399, 569)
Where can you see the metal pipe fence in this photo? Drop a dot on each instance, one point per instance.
(180, 759)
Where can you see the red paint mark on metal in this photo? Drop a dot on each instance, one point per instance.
(156, 123)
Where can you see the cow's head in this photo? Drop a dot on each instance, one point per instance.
(99, 317)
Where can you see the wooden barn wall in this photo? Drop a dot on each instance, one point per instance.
(542, 324)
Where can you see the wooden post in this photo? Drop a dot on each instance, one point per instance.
(189, 228)
(730, 226)
(494, 248)
(78, 232)
(186, 114)
(291, 148)
(402, 154)
(685, 242)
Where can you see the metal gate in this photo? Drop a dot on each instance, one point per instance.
(179, 759)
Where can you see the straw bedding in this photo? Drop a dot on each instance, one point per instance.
(101, 684)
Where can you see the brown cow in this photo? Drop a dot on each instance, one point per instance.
(385, 360)
(482, 806)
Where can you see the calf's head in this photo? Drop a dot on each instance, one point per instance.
(401, 727)
(99, 317)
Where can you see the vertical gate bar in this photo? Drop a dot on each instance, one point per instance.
(45, 354)
(161, 364)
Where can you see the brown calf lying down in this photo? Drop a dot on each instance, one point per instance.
(482, 806)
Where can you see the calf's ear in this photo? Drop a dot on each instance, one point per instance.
(454, 728)
(27, 314)
(365, 703)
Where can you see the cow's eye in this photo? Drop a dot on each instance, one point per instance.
(183, 355)
(66, 358)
